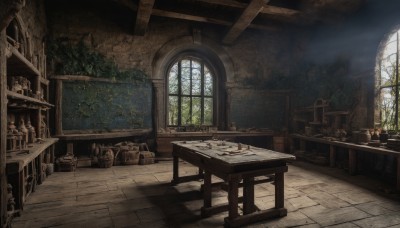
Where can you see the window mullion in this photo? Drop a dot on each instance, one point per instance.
(396, 117)
(202, 92)
(179, 94)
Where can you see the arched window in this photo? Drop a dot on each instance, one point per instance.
(191, 93)
(388, 84)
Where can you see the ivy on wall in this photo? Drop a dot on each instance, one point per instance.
(90, 105)
(123, 103)
(68, 58)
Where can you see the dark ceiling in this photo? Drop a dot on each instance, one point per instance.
(235, 15)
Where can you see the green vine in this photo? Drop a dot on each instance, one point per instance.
(78, 59)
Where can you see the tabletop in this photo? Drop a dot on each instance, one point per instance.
(233, 153)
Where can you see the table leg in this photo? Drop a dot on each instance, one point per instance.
(279, 191)
(398, 173)
(332, 155)
(352, 161)
(248, 195)
(207, 189)
(175, 172)
(302, 145)
(233, 191)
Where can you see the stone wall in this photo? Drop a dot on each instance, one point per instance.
(108, 29)
(358, 38)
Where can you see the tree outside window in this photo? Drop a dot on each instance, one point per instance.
(190, 93)
(389, 84)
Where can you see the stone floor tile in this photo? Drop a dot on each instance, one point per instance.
(344, 225)
(338, 216)
(302, 202)
(291, 220)
(327, 200)
(385, 220)
(356, 197)
(373, 208)
(150, 214)
(125, 220)
(315, 196)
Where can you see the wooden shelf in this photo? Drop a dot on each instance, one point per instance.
(16, 161)
(333, 113)
(18, 65)
(27, 100)
(104, 135)
(44, 81)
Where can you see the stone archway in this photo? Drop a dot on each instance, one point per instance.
(167, 53)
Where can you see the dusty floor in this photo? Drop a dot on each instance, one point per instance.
(141, 196)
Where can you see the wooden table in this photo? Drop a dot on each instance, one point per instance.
(352, 151)
(226, 161)
(257, 138)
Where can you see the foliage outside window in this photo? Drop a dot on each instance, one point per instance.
(389, 84)
(190, 93)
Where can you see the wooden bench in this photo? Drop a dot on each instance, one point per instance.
(352, 152)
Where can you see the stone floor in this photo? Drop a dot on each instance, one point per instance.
(141, 196)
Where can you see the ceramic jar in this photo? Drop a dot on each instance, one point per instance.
(364, 136)
(383, 137)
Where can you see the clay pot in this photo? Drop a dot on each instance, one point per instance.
(383, 137)
(364, 136)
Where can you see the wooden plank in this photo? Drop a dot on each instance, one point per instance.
(358, 147)
(398, 173)
(18, 65)
(245, 19)
(352, 162)
(183, 16)
(143, 16)
(207, 190)
(332, 155)
(105, 135)
(248, 195)
(175, 168)
(3, 128)
(24, 159)
(233, 191)
(267, 9)
(58, 108)
(279, 190)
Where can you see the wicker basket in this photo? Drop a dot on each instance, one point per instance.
(106, 160)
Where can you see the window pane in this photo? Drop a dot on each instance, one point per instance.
(388, 71)
(196, 110)
(208, 111)
(196, 65)
(208, 84)
(185, 63)
(185, 109)
(388, 108)
(173, 80)
(196, 81)
(173, 110)
(185, 80)
(193, 82)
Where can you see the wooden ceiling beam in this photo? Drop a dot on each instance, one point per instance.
(162, 13)
(245, 19)
(143, 16)
(268, 9)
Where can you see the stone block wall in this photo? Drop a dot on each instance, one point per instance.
(255, 55)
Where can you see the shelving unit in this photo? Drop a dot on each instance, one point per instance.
(312, 119)
(29, 145)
